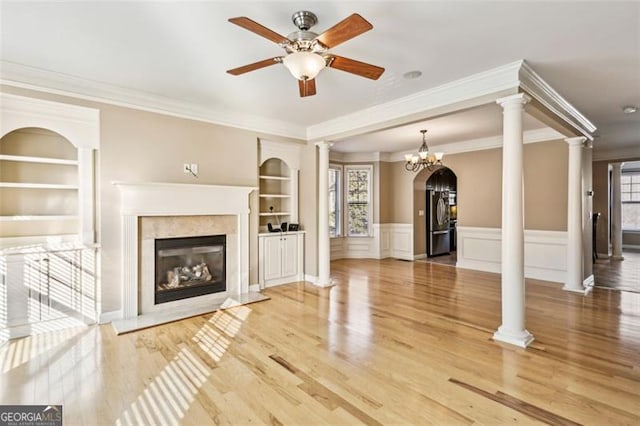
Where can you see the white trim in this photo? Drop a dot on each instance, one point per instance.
(313, 279)
(544, 134)
(22, 76)
(589, 281)
(254, 288)
(149, 199)
(358, 157)
(604, 255)
(79, 125)
(545, 252)
(615, 154)
(388, 240)
(550, 98)
(631, 246)
(420, 104)
(107, 317)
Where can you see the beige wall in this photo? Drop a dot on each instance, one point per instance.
(384, 187)
(601, 204)
(142, 146)
(479, 176)
(308, 196)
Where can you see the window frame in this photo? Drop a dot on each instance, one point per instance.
(339, 201)
(369, 169)
(631, 191)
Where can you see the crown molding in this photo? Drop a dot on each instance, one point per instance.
(358, 157)
(26, 77)
(498, 80)
(540, 90)
(620, 154)
(530, 136)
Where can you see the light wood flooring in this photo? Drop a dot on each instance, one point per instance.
(619, 274)
(392, 343)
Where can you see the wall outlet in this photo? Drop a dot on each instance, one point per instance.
(186, 167)
(194, 168)
(420, 212)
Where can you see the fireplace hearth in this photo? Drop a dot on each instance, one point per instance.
(189, 267)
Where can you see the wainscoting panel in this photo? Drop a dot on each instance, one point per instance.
(388, 240)
(545, 252)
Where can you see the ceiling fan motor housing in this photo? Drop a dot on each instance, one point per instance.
(304, 19)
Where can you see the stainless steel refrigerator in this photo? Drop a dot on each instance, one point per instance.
(438, 233)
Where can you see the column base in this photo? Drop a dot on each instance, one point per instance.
(582, 290)
(616, 257)
(521, 339)
(322, 283)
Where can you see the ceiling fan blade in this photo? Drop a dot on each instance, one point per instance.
(307, 87)
(356, 67)
(344, 30)
(254, 27)
(255, 66)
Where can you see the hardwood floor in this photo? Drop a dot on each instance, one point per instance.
(392, 343)
(619, 274)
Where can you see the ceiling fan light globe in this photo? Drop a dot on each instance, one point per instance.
(304, 65)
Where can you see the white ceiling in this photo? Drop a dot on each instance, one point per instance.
(588, 51)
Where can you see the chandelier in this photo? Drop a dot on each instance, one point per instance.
(424, 159)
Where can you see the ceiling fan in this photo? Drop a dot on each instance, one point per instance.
(307, 51)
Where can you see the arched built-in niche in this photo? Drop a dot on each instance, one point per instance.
(279, 166)
(440, 178)
(80, 127)
(38, 184)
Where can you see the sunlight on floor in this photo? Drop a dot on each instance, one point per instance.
(168, 397)
(20, 351)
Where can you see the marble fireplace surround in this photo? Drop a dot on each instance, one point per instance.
(145, 202)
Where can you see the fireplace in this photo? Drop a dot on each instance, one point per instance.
(189, 267)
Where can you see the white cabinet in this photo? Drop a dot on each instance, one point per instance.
(281, 258)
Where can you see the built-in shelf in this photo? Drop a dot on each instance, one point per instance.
(275, 196)
(42, 217)
(36, 185)
(266, 177)
(275, 214)
(44, 160)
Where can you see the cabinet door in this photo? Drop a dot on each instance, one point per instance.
(289, 255)
(272, 258)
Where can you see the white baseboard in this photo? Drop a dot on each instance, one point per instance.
(589, 281)
(311, 278)
(420, 256)
(254, 287)
(631, 246)
(107, 317)
(603, 255)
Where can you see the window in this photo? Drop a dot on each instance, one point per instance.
(335, 201)
(358, 200)
(630, 192)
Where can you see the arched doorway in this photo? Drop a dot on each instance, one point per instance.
(435, 201)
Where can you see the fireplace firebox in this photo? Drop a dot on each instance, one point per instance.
(189, 267)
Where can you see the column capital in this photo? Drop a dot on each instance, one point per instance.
(578, 140)
(324, 144)
(616, 165)
(517, 99)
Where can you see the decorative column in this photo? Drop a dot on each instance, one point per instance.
(512, 330)
(324, 250)
(573, 280)
(616, 212)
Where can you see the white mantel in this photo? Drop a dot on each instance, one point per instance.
(176, 199)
